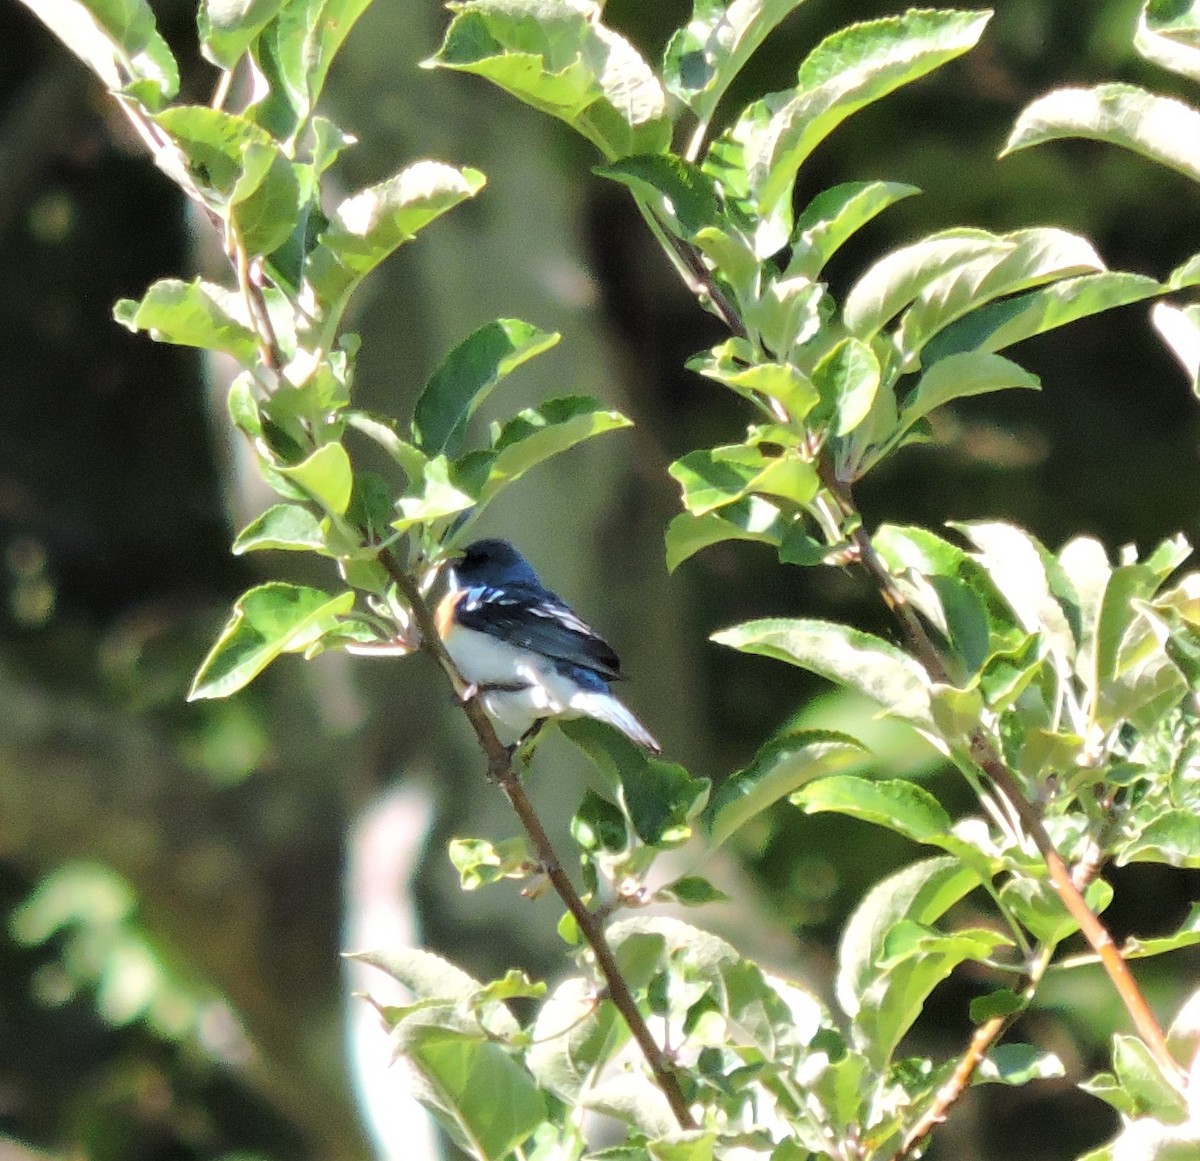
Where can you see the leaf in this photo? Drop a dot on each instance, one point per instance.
(298, 48)
(426, 975)
(706, 54)
(922, 893)
(118, 40)
(532, 437)
(271, 619)
(857, 660)
(191, 314)
(960, 376)
(326, 476)
(372, 223)
(1179, 328)
(1166, 36)
(485, 1100)
(560, 59)
(1142, 1077)
(691, 891)
(1160, 128)
(467, 376)
(434, 497)
(834, 216)
(847, 379)
(1018, 1064)
(1187, 935)
(712, 478)
(847, 71)
(685, 195)
(897, 804)
(1172, 838)
(228, 27)
(780, 767)
(282, 526)
(1027, 258)
(574, 1036)
(890, 284)
(1011, 320)
(751, 518)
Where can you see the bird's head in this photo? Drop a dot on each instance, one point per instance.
(492, 562)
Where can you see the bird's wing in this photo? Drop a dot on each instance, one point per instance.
(537, 620)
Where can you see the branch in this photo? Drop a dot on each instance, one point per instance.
(984, 754)
(591, 926)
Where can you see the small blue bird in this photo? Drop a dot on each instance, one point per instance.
(527, 655)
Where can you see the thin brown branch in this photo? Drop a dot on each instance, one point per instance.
(591, 926)
(987, 758)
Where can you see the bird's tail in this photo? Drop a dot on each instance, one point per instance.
(606, 708)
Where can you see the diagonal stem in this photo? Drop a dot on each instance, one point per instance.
(591, 926)
(986, 757)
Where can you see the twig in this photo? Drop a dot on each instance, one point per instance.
(985, 1036)
(591, 927)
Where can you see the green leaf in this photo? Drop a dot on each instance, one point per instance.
(371, 224)
(191, 314)
(899, 805)
(847, 71)
(282, 526)
(326, 476)
(1026, 259)
(960, 376)
(1017, 1064)
(573, 1038)
(560, 59)
(1142, 1077)
(1021, 316)
(847, 379)
(530, 438)
(1003, 1002)
(751, 518)
(890, 284)
(851, 658)
(483, 1098)
(426, 975)
(479, 862)
(1041, 912)
(254, 184)
(781, 767)
(922, 892)
(118, 40)
(1187, 935)
(706, 54)
(434, 497)
(1172, 838)
(1160, 128)
(1179, 328)
(271, 619)
(684, 195)
(228, 27)
(1166, 35)
(713, 478)
(467, 376)
(691, 891)
(834, 216)
(295, 52)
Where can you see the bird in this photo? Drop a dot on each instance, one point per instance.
(523, 651)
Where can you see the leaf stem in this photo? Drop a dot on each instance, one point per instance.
(502, 771)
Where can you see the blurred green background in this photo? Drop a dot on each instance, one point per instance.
(174, 882)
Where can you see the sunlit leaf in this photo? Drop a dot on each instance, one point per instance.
(228, 27)
(271, 619)
(372, 223)
(751, 518)
(191, 314)
(282, 526)
(781, 767)
(467, 376)
(1160, 128)
(847, 656)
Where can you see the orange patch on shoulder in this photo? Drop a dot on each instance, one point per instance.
(443, 617)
